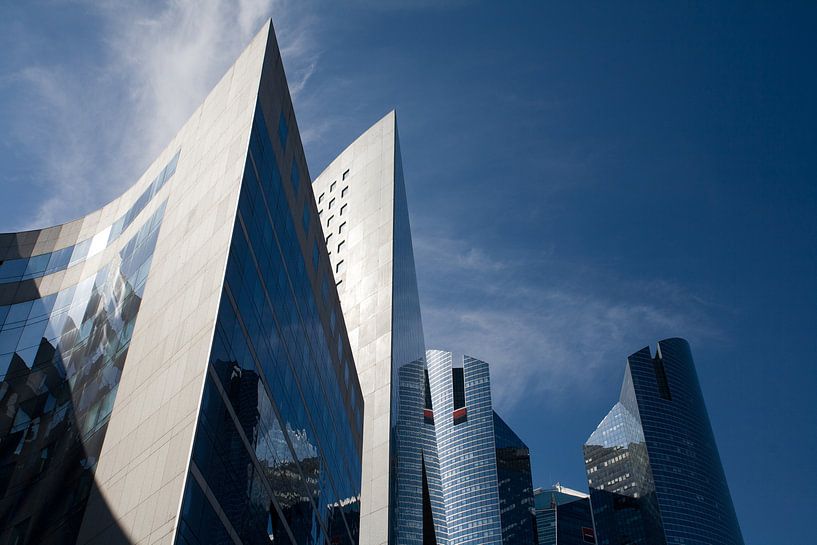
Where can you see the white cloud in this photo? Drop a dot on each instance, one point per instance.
(546, 337)
(94, 124)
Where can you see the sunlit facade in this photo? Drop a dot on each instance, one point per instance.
(484, 466)
(653, 466)
(361, 200)
(174, 367)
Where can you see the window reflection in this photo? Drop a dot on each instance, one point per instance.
(61, 358)
(14, 270)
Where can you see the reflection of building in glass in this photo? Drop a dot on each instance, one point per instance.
(484, 466)
(361, 199)
(653, 467)
(563, 517)
(174, 367)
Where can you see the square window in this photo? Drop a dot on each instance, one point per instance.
(320, 199)
(332, 187)
(344, 191)
(331, 203)
(342, 228)
(340, 267)
(329, 221)
(343, 209)
(329, 240)
(346, 173)
(340, 245)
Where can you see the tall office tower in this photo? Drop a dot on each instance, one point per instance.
(653, 467)
(361, 199)
(515, 484)
(484, 466)
(563, 517)
(174, 367)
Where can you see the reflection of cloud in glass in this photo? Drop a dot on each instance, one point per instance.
(61, 359)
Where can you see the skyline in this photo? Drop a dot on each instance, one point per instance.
(596, 309)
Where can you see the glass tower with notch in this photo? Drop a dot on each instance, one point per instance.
(653, 466)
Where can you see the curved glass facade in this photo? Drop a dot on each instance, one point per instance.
(62, 355)
(44, 263)
(653, 466)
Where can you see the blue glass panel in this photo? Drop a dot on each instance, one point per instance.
(80, 251)
(12, 269)
(63, 355)
(36, 266)
(59, 259)
(273, 442)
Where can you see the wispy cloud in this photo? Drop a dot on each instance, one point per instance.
(546, 336)
(108, 115)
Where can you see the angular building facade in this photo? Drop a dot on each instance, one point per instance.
(563, 517)
(484, 466)
(361, 199)
(174, 367)
(653, 466)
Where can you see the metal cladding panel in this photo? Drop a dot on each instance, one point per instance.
(362, 205)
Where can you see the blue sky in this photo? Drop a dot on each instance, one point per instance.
(582, 180)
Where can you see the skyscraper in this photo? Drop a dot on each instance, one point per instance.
(484, 466)
(653, 467)
(563, 517)
(515, 483)
(361, 200)
(174, 367)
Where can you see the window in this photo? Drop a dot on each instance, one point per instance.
(329, 221)
(342, 228)
(345, 173)
(328, 240)
(340, 267)
(320, 199)
(344, 192)
(343, 209)
(331, 203)
(340, 245)
(332, 187)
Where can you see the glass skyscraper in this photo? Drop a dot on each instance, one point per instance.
(653, 467)
(361, 200)
(484, 466)
(174, 367)
(515, 484)
(563, 517)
